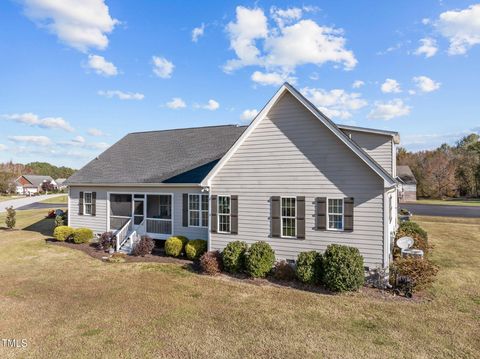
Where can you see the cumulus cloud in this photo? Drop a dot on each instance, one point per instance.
(428, 47)
(95, 132)
(162, 67)
(211, 105)
(101, 66)
(122, 95)
(35, 140)
(357, 84)
(461, 28)
(389, 110)
(79, 24)
(198, 32)
(336, 103)
(292, 42)
(176, 103)
(426, 84)
(248, 115)
(390, 86)
(32, 119)
(271, 78)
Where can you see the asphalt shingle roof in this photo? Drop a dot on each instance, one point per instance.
(160, 156)
(37, 180)
(406, 175)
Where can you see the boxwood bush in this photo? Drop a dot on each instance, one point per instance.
(233, 256)
(309, 267)
(420, 270)
(173, 246)
(343, 268)
(82, 235)
(194, 249)
(259, 259)
(63, 233)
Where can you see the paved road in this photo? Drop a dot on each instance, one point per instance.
(21, 203)
(440, 210)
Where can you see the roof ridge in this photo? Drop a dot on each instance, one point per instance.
(188, 128)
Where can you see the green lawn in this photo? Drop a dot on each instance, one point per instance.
(55, 200)
(451, 202)
(9, 197)
(67, 304)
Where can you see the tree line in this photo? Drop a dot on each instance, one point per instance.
(447, 171)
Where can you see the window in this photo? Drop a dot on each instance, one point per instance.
(159, 214)
(198, 210)
(87, 203)
(288, 216)
(223, 214)
(335, 214)
(120, 209)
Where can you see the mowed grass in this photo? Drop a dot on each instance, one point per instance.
(56, 200)
(67, 304)
(9, 197)
(451, 202)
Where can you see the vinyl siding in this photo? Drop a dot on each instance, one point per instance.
(378, 146)
(99, 222)
(291, 153)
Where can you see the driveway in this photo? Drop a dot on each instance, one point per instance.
(25, 203)
(439, 210)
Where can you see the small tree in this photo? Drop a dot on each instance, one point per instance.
(10, 220)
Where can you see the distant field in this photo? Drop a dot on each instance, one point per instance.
(56, 200)
(451, 202)
(9, 197)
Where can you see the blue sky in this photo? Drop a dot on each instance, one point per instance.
(76, 76)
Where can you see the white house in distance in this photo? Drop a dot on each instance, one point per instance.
(292, 178)
(408, 184)
(32, 184)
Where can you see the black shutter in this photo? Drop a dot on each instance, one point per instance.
(348, 205)
(301, 217)
(94, 203)
(185, 210)
(80, 203)
(213, 213)
(234, 214)
(275, 216)
(321, 213)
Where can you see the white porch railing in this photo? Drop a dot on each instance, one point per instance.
(134, 237)
(123, 234)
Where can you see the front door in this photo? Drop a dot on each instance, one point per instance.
(138, 211)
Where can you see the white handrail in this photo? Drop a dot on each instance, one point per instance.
(122, 234)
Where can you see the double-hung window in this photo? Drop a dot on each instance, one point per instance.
(335, 214)
(198, 210)
(87, 203)
(288, 212)
(224, 212)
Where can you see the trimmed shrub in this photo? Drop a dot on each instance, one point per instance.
(309, 267)
(421, 271)
(82, 235)
(59, 221)
(10, 219)
(144, 246)
(259, 259)
(343, 268)
(211, 263)
(194, 249)
(173, 247)
(283, 271)
(419, 235)
(63, 233)
(233, 256)
(106, 241)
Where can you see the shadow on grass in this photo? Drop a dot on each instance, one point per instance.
(44, 227)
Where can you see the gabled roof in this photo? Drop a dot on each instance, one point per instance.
(393, 134)
(60, 181)
(406, 175)
(286, 87)
(160, 156)
(36, 180)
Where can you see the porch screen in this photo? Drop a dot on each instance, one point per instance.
(159, 214)
(120, 210)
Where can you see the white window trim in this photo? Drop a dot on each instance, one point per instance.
(85, 203)
(282, 217)
(224, 214)
(200, 210)
(343, 215)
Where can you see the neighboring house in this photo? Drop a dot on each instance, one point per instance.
(407, 189)
(61, 183)
(291, 178)
(32, 184)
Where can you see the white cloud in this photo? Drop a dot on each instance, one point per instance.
(271, 78)
(198, 32)
(101, 66)
(390, 86)
(32, 119)
(3, 147)
(357, 84)
(79, 24)
(248, 115)
(428, 47)
(79, 139)
(35, 140)
(122, 95)
(336, 103)
(97, 145)
(162, 67)
(293, 42)
(461, 28)
(389, 110)
(176, 103)
(426, 84)
(212, 105)
(95, 132)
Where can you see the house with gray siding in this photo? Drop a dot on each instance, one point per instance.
(292, 178)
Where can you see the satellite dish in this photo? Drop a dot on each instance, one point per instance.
(405, 242)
